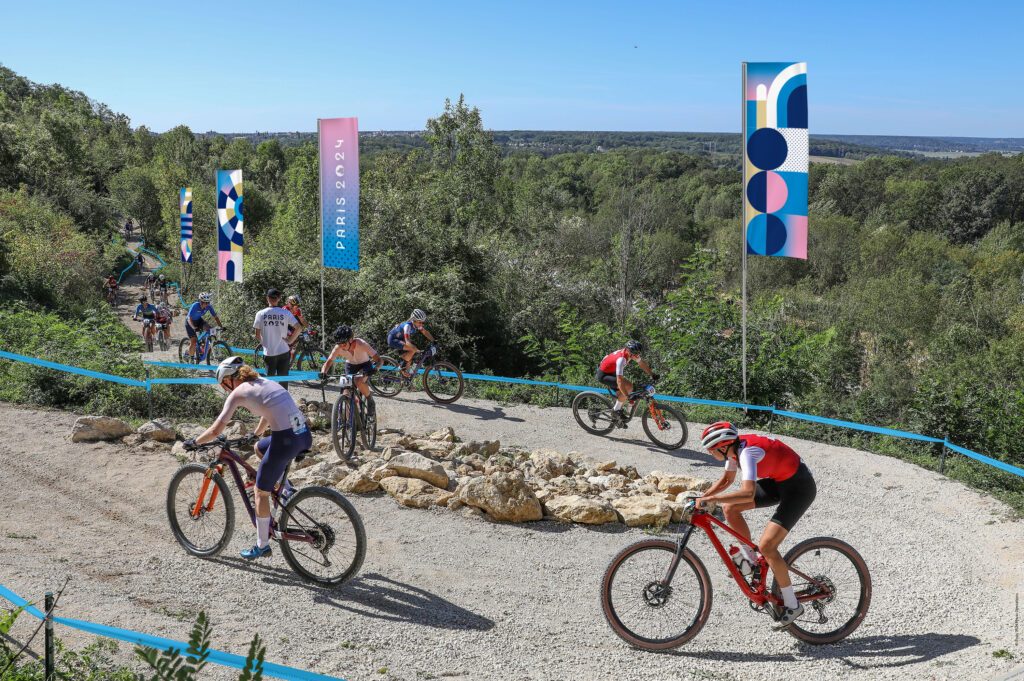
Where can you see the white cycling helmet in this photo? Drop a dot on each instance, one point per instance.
(418, 315)
(294, 298)
(229, 367)
(719, 433)
(205, 297)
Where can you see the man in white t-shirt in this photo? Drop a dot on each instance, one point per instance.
(271, 327)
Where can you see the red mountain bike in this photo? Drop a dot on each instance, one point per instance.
(320, 532)
(656, 594)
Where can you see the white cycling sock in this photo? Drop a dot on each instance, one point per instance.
(262, 531)
(789, 598)
(617, 406)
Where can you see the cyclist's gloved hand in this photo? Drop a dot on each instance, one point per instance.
(324, 376)
(189, 445)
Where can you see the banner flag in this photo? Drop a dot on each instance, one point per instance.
(775, 150)
(185, 208)
(229, 225)
(339, 192)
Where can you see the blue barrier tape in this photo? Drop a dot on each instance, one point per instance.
(211, 380)
(502, 379)
(857, 426)
(985, 459)
(213, 367)
(221, 658)
(73, 370)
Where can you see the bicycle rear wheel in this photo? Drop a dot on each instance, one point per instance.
(207, 533)
(369, 422)
(669, 430)
(834, 567)
(387, 380)
(338, 540)
(442, 381)
(343, 433)
(593, 412)
(644, 611)
(149, 344)
(162, 340)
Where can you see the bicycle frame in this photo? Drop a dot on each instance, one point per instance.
(633, 400)
(203, 342)
(757, 593)
(227, 458)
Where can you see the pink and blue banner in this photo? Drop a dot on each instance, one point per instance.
(339, 192)
(775, 157)
(230, 224)
(185, 209)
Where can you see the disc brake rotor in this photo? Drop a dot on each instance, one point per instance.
(657, 594)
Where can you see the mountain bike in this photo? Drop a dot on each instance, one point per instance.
(110, 293)
(321, 535)
(442, 380)
(352, 413)
(147, 333)
(656, 593)
(306, 356)
(163, 335)
(664, 425)
(208, 348)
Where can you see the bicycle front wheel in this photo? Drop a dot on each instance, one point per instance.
(162, 339)
(644, 610)
(312, 360)
(183, 350)
(593, 412)
(387, 380)
(343, 427)
(336, 540)
(837, 570)
(207, 531)
(442, 381)
(218, 352)
(369, 422)
(666, 427)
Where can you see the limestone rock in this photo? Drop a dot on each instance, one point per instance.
(358, 483)
(485, 448)
(503, 496)
(133, 440)
(160, 430)
(446, 434)
(576, 509)
(674, 483)
(415, 493)
(96, 428)
(549, 464)
(187, 431)
(605, 466)
(643, 511)
(413, 465)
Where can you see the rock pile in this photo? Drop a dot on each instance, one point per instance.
(507, 484)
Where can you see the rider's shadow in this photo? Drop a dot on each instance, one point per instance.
(376, 596)
(480, 413)
(859, 652)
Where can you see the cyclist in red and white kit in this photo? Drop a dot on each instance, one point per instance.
(770, 473)
(610, 373)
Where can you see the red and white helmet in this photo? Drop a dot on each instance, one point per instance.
(719, 433)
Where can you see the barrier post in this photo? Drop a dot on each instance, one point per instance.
(149, 394)
(48, 661)
(942, 459)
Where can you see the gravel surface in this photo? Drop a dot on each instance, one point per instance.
(443, 596)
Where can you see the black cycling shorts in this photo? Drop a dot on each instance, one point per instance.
(794, 496)
(608, 379)
(366, 367)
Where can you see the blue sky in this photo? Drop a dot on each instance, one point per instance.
(896, 68)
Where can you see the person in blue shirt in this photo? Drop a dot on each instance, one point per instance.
(399, 338)
(147, 312)
(195, 322)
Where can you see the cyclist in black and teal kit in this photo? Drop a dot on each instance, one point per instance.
(195, 322)
(147, 311)
(399, 338)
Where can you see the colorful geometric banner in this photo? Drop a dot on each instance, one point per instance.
(775, 158)
(185, 209)
(339, 192)
(229, 223)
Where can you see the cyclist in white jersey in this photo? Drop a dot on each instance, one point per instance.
(289, 435)
(359, 356)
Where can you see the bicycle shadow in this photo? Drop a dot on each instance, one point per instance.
(480, 413)
(857, 653)
(373, 595)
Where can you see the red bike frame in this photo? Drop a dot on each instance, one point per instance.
(757, 589)
(227, 458)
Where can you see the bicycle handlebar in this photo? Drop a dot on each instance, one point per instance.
(221, 442)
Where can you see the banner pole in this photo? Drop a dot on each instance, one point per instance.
(743, 225)
(320, 194)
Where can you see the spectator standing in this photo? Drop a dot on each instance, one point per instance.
(271, 326)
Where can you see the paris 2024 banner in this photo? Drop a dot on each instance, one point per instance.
(339, 192)
(775, 148)
(230, 223)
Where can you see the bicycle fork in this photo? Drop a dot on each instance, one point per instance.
(198, 509)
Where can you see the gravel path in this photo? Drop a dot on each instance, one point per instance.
(446, 596)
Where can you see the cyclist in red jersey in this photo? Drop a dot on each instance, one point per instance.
(770, 473)
(611, 373)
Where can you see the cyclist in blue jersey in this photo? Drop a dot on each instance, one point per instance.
(147, 312)
(399, 338)
(195, 322)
